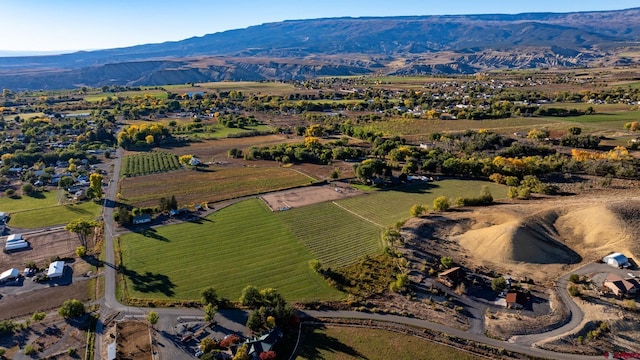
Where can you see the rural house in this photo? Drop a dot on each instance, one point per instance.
(516, 300)
(56, 269)
(142, 219)
(452, 276)
(621, 287)
(264, 343)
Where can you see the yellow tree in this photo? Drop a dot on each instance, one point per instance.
(95, 185)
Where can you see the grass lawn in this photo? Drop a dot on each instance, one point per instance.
(386, 207)
(337, 343)
(40, 200)
(239, 245)
(335, 236)
(213, 184)
(55, 215)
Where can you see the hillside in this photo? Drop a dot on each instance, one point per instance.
(345, 46)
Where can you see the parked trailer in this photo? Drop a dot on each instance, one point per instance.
(16, 245)
(14, 237)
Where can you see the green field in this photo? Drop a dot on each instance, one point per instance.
(239, 245)
(400, 126)
(149, 163)
(45, 210)
(337, 343)
(607, 119)
(335, 236)
(56, 215)
(386, 207)
(158, 94)
(219, 131)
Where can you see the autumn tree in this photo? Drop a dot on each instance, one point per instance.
(83, 228)
(95, 185)
(152, 317)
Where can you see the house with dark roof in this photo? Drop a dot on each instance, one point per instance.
(452, 277)
(264, 343)
(142, 219)
(621, 287)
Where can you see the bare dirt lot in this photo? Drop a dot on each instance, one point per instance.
(133, 340)
(52, 338)
(283, 200)
(43, 247)
(21, 299)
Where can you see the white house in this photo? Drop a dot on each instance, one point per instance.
(9, 274)
(616, 259)
(56, 269)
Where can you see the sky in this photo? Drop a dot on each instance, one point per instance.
(69, 25)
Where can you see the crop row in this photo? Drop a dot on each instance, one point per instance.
(336, 238)
(149, 163)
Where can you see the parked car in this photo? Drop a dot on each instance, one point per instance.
(186, 338)
(199, 353)
(633, 276)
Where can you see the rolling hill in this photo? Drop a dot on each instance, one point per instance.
(299, 49)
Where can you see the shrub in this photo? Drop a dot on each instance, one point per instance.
(29, 350)
(10, 192)
(441, 203)
(499, 284)
(574, 290)
(446, 261)
(574, 278)
(27, 189)
(81, 251)
(417, 210)
(38, 316)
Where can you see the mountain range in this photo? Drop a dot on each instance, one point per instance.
(299, 49)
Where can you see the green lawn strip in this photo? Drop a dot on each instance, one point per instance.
(614, 120)
(216, 184)
(239, 245)
(54, 215)
(386, 207)
(337, 343)
(400, 126)
(336, 237)
(223, 132)
(43, 199)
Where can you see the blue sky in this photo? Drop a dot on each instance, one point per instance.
(47, 25)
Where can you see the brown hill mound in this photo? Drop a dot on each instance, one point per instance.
(518, 241)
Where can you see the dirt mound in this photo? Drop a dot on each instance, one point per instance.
(553, 232)
(596, 230)
(527, 240)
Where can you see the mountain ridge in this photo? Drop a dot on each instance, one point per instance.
(475, 42)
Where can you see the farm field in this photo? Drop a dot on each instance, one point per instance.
(210, 185)
(158, 94)
(335, 236)
(145, 163)
(243, 244)
(401, 126)
(341, 342)
(386, 207)
(217, 131)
